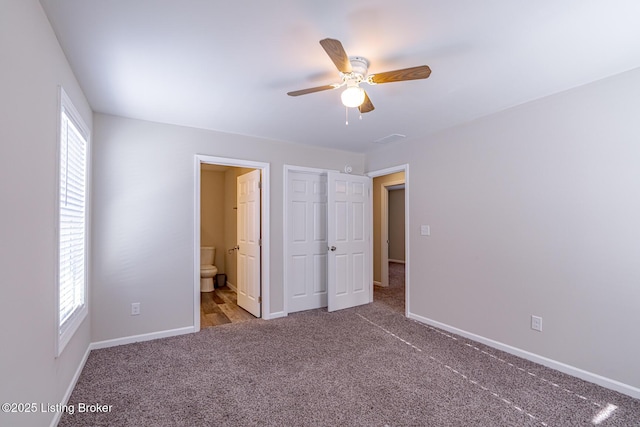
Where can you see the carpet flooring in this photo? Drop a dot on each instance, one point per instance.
(393, 296)
(364, 366)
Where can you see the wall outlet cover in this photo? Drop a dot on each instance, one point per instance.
(536, 323)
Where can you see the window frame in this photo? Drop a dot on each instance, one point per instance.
(65, 331)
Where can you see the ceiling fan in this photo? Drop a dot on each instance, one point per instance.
(353, 71)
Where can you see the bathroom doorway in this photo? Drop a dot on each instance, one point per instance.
(242, 282)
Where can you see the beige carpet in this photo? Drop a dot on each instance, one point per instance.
(366, 366)
(393, 296)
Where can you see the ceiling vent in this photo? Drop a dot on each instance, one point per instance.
(390, 138)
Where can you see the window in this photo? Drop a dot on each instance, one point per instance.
(72, 222)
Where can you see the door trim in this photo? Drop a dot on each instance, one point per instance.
(407, 226)
(265, 255)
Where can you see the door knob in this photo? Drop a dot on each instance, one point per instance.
(332, 248)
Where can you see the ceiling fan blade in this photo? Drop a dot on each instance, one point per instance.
(413, 73)
(337, 54)
(311, 90)
(366, 106)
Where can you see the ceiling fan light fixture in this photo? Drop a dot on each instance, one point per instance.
(352, 97)
(355, 70)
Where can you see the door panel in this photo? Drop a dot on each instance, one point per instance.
(320, 274)
(299, 275)
(341, 275)
(248, 234)
(349, 224)
(341, 222)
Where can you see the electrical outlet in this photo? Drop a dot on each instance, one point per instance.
(135, 308)
(536, 323)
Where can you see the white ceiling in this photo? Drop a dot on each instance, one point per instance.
(227, 65)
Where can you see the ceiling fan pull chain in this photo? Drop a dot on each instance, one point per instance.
(346, 113)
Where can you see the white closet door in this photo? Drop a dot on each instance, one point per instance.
(349, 230)
(306, 240)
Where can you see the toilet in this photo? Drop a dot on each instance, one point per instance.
(207, 270)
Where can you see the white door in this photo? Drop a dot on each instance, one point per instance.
(248, 234)
(306, 240)
(349, 226)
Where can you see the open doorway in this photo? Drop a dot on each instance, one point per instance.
(231, 215)
(219, 245)
(390, 238)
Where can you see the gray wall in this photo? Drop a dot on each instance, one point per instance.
(143, 221)
(33, 66)
(212, 214)
(396, 225)
(534, 210)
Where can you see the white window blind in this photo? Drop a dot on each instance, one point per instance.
(72, 216)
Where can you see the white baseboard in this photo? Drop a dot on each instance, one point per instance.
(232, 286)
(399, 261)
(559, 366)
(275, 315)
(140, 338)
(376, 283)
(67, 394)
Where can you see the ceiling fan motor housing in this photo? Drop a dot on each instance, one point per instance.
(359, 68)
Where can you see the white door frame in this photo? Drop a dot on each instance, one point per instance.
(384, 229)
(264, 224)
(400, 168)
